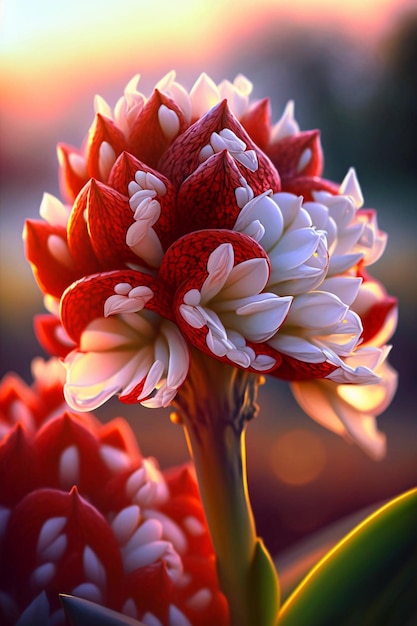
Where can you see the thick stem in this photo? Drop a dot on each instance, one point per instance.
(214, 407)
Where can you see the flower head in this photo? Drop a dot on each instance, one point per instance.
(82, 512)
(193, 221)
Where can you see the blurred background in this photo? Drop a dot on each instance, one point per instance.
(352, 70)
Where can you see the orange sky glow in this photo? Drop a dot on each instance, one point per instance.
(51, 51)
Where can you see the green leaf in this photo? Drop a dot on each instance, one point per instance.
(80, 612)
(263, 588)
(368, 578)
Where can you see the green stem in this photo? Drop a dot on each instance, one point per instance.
(214, 407)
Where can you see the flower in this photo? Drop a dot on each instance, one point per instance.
(192, 221)
(82, 512)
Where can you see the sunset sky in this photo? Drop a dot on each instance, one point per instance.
(51, 51)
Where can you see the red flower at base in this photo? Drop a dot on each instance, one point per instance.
(83, 513)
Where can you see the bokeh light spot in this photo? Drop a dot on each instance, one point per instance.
(298, 457)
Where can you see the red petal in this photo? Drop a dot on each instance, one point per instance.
(70, 181)
(147, 139)
(287, 152)
(84, 300)
(291, 369)
(15, 392)
(117, 433)
(203, 575)
(103, 129)
(123, 172)
(78, 235)
(151, 589)
(48, 331)
(51, 442)
(85, 527)
(374, 319)
(183, 157)
(257, 122)
(109, 217)
(18, 466)
(50, 274)
(186, 260)
(206, 199)
(306, 185)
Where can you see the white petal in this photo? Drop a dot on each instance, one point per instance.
(93, 568)
(168, 121)
(245, 279)
(294, 248)
(69, 467)
(53, 211)
(350, 187)
(344, 287)
(125, 523)
(317, 309)
(219, 266)
(50, 530)
(204, 96)
(286, 125)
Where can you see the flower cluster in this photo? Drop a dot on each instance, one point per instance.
(82, 512)
(191, 221)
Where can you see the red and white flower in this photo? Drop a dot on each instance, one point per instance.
(193, 221)
(82, 512)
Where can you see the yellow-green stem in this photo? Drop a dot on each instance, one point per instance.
(214, 407)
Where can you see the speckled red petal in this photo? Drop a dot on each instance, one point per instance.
(148, 141)
(109, 217)
(186, 260)
(78, 236)
(84, 300)
(291, 369)
(206, 199)
(183, 157)
(103, 130)
(123, 172)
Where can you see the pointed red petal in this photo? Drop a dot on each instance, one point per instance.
(49, 333)
(183, 157)
(109, 217)
(257, 123)
(71, 181)
(103, 130)
(18, 464)
(206, 199)
(117, 433)
(148, 141)
(123, 172)
(78, 235)
(297, 155)
(141, 585)
(52, 275)
(84, 526)
(86, 469)
(14, 393)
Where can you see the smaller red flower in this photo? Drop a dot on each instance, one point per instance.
(83, 513)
